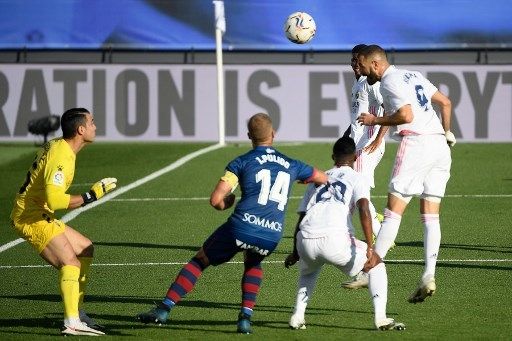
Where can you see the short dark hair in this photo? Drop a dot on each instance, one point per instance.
(345, 146)
(373, 50)
(71, 120)
(358, 48)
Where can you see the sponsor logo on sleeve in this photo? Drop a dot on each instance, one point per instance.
(58, 178)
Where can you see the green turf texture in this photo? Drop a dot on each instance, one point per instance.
(472, 302)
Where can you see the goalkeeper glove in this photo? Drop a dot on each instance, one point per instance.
(450, 138)
(99, 189)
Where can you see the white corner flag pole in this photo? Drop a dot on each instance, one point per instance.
(220, 28)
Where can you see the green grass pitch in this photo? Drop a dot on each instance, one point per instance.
(143, 237)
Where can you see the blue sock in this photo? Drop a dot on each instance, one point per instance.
(246, 311)
(166, 304)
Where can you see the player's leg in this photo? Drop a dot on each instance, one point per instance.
(376, 221)
(60, 253)
(402, 186)
(366, 164)
(378, 288)
(217, 249)
(430, 202)
(250, 284)
(431, 242)
(359, 278)
(181, 286)
(377, 281)
(309, 269)
(306, 287)
(84, 249)
(397, 203)
(429, 208)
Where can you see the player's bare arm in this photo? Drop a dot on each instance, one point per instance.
(293, 257)
(366, 219)
(318, 177)
(374, 145)
(221, 197)
(402, 116)
(373, 260)
(366, 224)
(446, 109)
(445, 105)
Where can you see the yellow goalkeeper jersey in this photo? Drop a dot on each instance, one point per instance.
(46, 183)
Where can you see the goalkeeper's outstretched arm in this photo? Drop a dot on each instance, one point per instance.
(98, 190)
(58, 200)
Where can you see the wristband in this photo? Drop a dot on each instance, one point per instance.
(88, 197)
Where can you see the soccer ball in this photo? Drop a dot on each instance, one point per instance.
(299, 27)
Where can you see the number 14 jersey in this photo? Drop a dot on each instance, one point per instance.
(265, 177)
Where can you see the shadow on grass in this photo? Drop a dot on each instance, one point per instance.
(120, 324)
(42, 322)
(489, 248)
(150, 246)
(441, 264)
(147, 303)
(53, 323)
(163, 246)
(150, 301)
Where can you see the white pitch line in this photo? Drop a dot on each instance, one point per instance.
(121, 190)
(300, 197)
(265, 262)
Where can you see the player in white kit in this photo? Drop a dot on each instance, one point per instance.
(366, 98)
(369, 140)
(423, 160)
(324, 235)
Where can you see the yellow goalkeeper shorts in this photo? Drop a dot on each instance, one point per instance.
(39, 233)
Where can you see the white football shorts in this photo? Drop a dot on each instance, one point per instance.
(366, 163)
(422, 166)
(339, 249)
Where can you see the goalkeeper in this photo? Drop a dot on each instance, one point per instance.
(43, 192)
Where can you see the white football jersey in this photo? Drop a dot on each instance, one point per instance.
(327, 207)
(366, 98)
(402, 87)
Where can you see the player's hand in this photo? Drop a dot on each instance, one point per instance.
(369, 252)
(99, 189)
(366, 119)
(229, 200)
(450, 138)
(373, 260)
(291, 259)
(372, 146)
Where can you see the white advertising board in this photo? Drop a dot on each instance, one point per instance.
(179, 102)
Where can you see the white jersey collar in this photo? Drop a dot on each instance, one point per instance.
(389, 70)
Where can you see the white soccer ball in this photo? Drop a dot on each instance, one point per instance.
(299, 27)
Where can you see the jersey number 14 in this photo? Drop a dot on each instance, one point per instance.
(277, 192)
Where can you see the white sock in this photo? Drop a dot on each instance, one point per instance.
(72, 322)
(431, 242)
(388, 232)
(375, 222)
(378, 287)
(307, 284)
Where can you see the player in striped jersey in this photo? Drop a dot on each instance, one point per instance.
(423, 160)
(255, 227)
